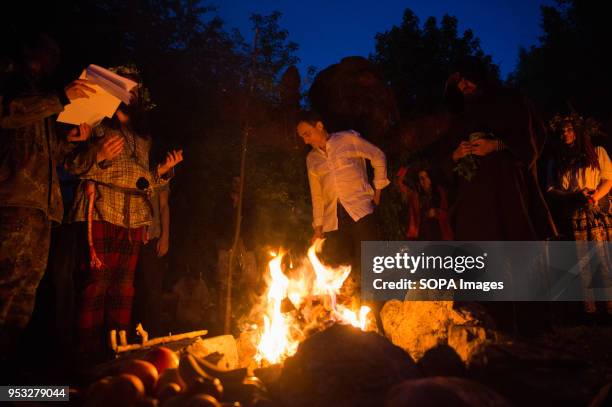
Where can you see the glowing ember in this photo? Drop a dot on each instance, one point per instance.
(312, 290)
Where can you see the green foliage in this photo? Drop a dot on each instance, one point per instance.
(568, 69)
(466, 167)
(274, 53)
(278, 188)
(143, 95)
(392, 215)
(589, 127)
(417, 60)
(198, 75)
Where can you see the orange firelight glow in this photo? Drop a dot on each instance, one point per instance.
(312, 282)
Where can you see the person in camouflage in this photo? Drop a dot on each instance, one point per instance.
(30, 198)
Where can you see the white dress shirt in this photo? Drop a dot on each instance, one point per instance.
(339, 173)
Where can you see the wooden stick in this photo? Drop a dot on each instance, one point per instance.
(112, 339)
(174, 338)
(160, 341)
(243, 152)
(122, 338)
(144, 335)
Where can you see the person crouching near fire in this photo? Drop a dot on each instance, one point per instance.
(343, 200)
(114, 201)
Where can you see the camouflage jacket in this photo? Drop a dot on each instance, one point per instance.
(30, 149)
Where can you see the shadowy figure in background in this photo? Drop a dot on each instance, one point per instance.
(404, 184)
(428, 206)
(193, 302)
(579, 181)
(30, 198)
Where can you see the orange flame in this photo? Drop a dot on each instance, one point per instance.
(282, 332)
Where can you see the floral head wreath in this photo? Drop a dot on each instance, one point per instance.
(143, 96)
(589, 127)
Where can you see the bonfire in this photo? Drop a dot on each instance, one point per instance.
(300, 300)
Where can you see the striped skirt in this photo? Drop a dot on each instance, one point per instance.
(594, 224)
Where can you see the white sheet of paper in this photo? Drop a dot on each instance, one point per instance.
(114, 84)
(90, 110)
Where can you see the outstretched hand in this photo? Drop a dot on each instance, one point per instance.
(317, 234)
(172, 159)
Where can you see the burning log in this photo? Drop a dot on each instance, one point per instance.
(299, 301)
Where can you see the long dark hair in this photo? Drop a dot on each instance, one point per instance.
(434, 193)
(580, 154)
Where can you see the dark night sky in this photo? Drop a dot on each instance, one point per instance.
(328, 30)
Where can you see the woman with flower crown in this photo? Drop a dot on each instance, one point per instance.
(580, 180)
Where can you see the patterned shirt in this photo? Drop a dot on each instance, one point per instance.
(339, 174)
(118, 198)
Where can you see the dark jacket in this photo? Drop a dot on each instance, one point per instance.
(503, 201)
(30, 149)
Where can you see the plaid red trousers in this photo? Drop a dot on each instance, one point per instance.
(106, 298)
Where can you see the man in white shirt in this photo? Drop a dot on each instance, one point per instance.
(343, 200)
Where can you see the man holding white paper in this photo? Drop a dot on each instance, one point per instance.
(30, 197)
